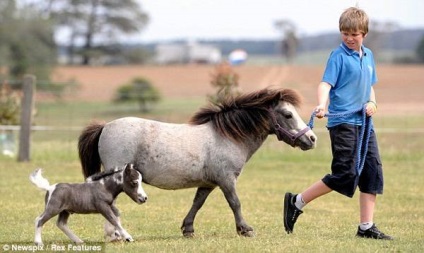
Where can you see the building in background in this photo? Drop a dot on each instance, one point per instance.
(191, 52)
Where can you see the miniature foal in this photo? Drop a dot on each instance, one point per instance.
(96, 195)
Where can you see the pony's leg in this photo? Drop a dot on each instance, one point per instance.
(199, 199)
(230, 194)
(62, 222)
(109, 214)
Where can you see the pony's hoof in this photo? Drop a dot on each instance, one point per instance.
(129, 239)
(188, 234)
(39, 243)
(250, 233)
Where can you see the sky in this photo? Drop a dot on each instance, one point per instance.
(254, 19)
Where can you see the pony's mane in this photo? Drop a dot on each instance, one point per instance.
(244, 115)
(103, 174)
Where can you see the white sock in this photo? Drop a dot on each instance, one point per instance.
(299, 203)
(366, 225)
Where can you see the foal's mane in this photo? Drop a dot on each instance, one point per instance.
(244, 115)
(103, 174)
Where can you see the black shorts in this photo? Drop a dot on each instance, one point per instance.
(343, 177)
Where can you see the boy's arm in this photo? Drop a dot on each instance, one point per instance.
(372, 104)
(372, 96)
(323, 94)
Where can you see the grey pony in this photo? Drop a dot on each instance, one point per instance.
(208, 152)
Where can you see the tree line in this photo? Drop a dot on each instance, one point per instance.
(93, 29)
(90, 28)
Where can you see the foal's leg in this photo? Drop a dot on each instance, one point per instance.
(229, 190)
(39, 222)
(62, 222)
(111, 233)
(199, 199)
(109, 213)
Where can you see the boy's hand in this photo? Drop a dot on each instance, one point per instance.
(371, 108)
(320, 111)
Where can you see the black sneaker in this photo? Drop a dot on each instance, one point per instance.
(291, 212)
(373, 233)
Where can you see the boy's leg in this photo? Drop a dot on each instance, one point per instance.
(314, 191)
(294, 203)
(367, 228)
(366, 205)
(370, 184)
(342, 178)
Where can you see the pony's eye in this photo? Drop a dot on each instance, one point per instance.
(134, 182)
(287, 115)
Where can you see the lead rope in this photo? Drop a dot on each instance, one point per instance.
(366, 129)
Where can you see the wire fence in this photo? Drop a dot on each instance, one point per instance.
(385, 130)
(62, 122)
(67, 136)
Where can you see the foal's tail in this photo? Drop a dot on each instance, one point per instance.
(88, 149)
(37, 179)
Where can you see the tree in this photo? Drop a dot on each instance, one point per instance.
(379, 33)
(10, 109)
(420, 50)
(26, 42)
(140, 90)
(289, 41)
(92, 22)
(225, 79)
(10, 105)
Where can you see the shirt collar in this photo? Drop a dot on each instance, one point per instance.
(351, 51)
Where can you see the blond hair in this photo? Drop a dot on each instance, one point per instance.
(354, 19)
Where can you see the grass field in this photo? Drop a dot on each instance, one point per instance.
(328, 224)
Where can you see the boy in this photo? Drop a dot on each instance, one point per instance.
(347, 85)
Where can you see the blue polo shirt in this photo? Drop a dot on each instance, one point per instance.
(351, 78)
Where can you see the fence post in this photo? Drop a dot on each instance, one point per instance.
(26, 118)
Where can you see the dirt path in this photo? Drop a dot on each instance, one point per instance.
(400, 88)
(276, 75)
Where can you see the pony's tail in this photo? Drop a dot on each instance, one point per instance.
(37, 179)
(88, 149)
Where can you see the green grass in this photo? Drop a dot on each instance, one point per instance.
(328, 224)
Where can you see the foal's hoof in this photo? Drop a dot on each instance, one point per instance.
(129, 239)
(113, 238)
